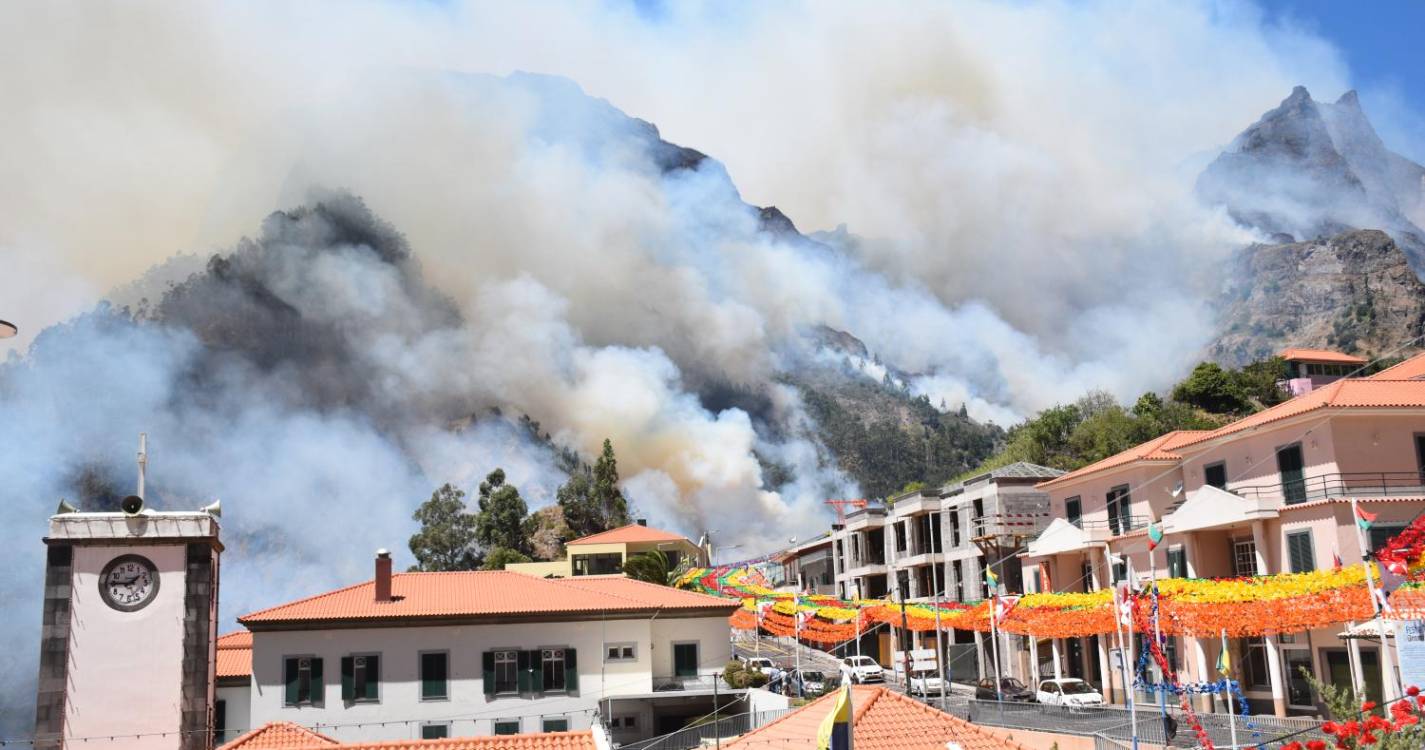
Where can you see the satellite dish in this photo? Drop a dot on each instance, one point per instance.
(8, 329)
(131, 505)
(1177, 489)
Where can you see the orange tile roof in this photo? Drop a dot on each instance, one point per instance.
(1411, 369)
(480, 594)
(1348, 393)
(1320, 355)
(634, 532)
(1160, 448)
(235, 655)
(279, 735)
(882, 720)
(539, 741)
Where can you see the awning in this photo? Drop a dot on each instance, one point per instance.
(1211, 508)
(1368, 629)
(1061, 536)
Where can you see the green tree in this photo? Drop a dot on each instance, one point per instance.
(591, 499)
(447, 539)
(1213, 389)
(653, 567)
(502, 556)
(500, 522)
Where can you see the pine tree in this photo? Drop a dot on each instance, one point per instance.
(447, 539)
(591, 499)
(500, 523)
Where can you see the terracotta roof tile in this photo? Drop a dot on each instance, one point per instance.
(1411, 369)
(546, 741)
(1160, 448)
(1320, 355)
(883, 720)
(280, 735)
(633, 532)
(489, 593)
(235, 655)
(1348, 393)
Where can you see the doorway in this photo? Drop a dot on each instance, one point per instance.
(1338, 669)
(1291, 466)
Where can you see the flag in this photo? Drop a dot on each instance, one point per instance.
(836, 730)
(991, 578)
(1123, 595)
(1335, 559)
(1364, 519)
(1004, 605)
(1224, 661)
(1155, 535)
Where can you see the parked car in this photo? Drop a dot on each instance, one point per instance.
(925, 682)
(864, 669)
(812, 682)
(1069, 691)
(1010, 689)
(758, 663)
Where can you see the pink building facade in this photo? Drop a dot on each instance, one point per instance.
(1268, 494)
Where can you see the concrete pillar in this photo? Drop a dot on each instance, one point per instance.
(980, 653)
(1191, 547)
(1274, 672)
(1106, 672)
(1033, 662)
(1058, 662)
(1358, 675)
(1199, 655)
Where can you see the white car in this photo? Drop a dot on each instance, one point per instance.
(1069, 691)
(925, 682)
(759, 663)
(864, 669)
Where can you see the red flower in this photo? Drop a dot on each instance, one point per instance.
(1412, 691)
(1329, 727)
(1315, 745)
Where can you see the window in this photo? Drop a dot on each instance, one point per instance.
(507, 726)
(1120, 519)
(1244, 558)
(435, 675)
(361, 678)
(1177, 562)
(1120, 572)
(1215, 475)
(936, 544)
(551, 662)
(551, 724)
(502, 672)
(1074, 511)
(979, 519)
(685, 659)
(302, 676)
(1086, 580)
(220, 722)
(1291, 466)
(1382, 533)
(957, 569)
(601, 564)
(900, 537)
(1300, 557)
(1420, 455)
(1255, 665)
(620, 652)
(623, 722)
(1298, 690)
(1170, 651)
(954, 529)
(435, 731)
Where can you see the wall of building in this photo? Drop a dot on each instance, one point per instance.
(713, 636)
(237, 704)
(468, 709)
(126, 668)
(1251, 458)
(1377, 443)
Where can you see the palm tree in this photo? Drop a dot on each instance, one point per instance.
(653, 567)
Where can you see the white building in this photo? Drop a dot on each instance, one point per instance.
(414, 655)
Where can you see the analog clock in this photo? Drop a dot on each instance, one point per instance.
(128, 583)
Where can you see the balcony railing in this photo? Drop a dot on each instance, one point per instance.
(1355, 484)
(1116, 525)
(669, 683)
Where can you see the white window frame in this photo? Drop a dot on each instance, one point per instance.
(558, 653)
(380, 666)
(315, 691)
(544, 723)
(514, 659)
(445, 724)
(621, 647)
(519, 725)
(1237, 547)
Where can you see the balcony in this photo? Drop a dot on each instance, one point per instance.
(1356, 484)
(685, 683)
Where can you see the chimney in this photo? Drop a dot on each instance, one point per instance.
(383, 575)
(642, 522)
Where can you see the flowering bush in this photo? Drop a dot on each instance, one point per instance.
(1357, 728)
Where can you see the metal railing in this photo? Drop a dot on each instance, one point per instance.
(1320, 487)
(1114, 723)
(668, 683)
(724, 727)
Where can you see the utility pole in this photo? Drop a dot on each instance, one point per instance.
(905, 636)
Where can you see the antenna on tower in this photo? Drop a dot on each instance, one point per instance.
(143, 460)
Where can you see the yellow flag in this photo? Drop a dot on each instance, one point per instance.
(835, 732)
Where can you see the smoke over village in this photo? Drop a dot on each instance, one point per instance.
(330, 257)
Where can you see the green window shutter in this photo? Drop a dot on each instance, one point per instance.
(348, 679)
(319, 688)
(434, 675)
(487, 663)
(373, 678)
(289, 675)
(571, 671)
(527, 662)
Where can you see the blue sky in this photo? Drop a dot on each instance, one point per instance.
(1380, 41)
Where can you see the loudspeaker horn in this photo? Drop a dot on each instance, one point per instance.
(65, 507)
(214, 509)
(131, 505)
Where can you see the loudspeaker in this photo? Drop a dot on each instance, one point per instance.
(214, 509)
(131, 505)
(65, 507)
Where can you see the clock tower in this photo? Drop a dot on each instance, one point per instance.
(130, 615)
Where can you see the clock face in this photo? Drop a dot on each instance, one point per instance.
(128, 583)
